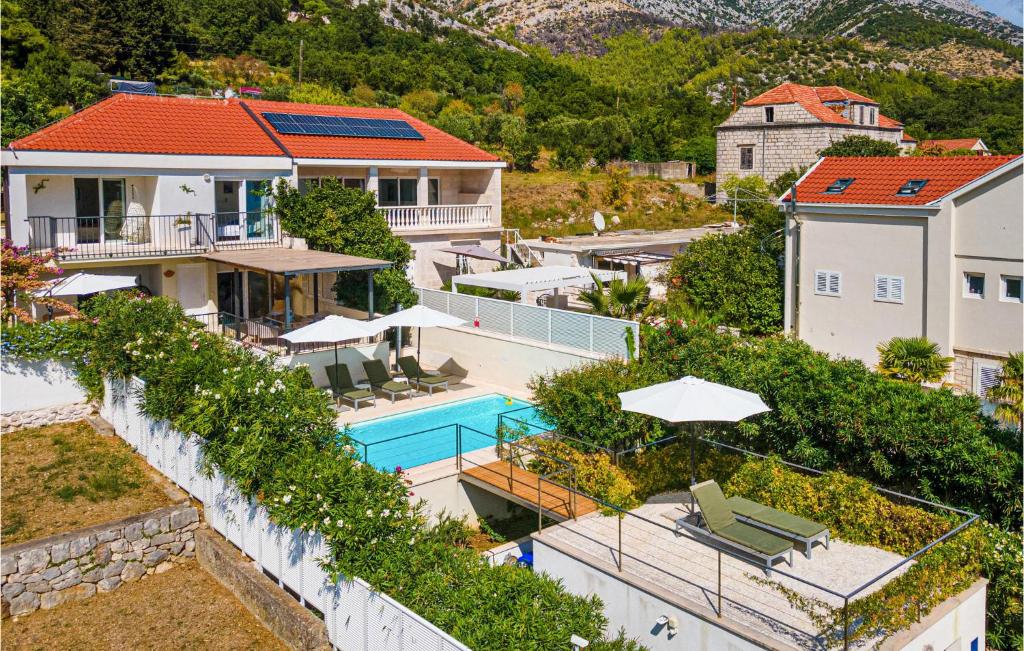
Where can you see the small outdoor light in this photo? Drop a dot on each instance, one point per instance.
(578, 643)
(673, 626)
(206, 177)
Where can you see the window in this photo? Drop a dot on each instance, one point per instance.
(827, 283)
(986, 376)
(889, 289)
(861, 114)
(746, 158)
(974, 285)
(433, 192)
(838, 186)
(397, 192)
(769, 114)
(1010, 289)
(355, 183)
(871, 116)
(912, 187)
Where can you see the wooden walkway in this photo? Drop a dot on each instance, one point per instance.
(521, 487)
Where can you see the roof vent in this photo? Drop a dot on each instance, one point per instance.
(838, 186)
(911, 187)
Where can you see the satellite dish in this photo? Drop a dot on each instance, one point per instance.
(598, 220)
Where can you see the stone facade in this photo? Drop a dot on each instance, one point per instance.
(46, 572)
(963, 368)
(48, 416)
(792, 141)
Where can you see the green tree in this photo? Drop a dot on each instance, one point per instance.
(458, 119)
(701, 151)
(345, 220)
(730, 277)
(861, 146)
(1007, 394)
(912, 359)
(623, 299)
(519, 142)
(753, 203)
(25, 108)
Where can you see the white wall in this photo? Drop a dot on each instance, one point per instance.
(455, 498)
(635, 610)
(951, 626)
(494, 358)
(353, 356)
(36, 385)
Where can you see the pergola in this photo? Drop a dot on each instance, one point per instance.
(294, 262)
(536, 279)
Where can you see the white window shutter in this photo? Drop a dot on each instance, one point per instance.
(881, 288)
(988, 377)
(833, 283)
(896, 288)
(821, 282)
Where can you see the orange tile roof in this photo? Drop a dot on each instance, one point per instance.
(812, 99)
(876, 180)
(886, 121)
(143, 124)
(436, 144)
(950, 145)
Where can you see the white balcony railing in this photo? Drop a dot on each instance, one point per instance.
(412, 218)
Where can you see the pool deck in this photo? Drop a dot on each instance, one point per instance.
(421, 399)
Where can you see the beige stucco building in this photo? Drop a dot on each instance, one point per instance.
(785, 128)
(876, 259)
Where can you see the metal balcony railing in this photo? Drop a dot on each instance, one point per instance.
(115, 236)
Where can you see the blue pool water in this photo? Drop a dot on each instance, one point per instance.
(426, 435)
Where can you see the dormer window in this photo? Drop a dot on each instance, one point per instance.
(871, 116)
(862, 114)
(838, 186)
(911, 187)
(769, 114)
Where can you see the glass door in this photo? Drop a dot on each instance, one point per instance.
(112, 192)
(258, 225)
(87, 211)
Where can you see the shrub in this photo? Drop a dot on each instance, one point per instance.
(595, 474)
(860, 146)
(913, 359)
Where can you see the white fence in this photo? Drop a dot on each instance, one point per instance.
(410, 218)
(357, 617)
(597, 334)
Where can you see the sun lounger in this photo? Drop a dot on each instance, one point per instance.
(722, 526)
(343, 387)
(379, 378)
(416, 375)
(779, 522)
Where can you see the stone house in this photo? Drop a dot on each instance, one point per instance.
(909, 246)
(785, 128)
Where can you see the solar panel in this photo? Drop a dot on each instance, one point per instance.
(332, 125)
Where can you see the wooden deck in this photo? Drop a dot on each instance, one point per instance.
(556, 502)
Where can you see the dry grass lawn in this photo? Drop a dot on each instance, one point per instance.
(63, 477)
(184, 608)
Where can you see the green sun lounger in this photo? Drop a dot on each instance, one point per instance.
(380, 379)
(723, 527)
(779, 522)
(416, 375)
(343, 388)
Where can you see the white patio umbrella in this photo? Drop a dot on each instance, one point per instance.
(419, 317)
(332, 328)
(83, 283)
(691, 399)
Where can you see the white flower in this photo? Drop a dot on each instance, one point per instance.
(369, 512)
(339, 522)
(318, 496)
(327, 520)
(291, 487)
(385, 513)
(286, 499)
(216, 396)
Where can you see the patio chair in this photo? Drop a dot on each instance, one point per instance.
(377, 374)
(416, 375)
(723, 527)
(343, 387)
(779, 522)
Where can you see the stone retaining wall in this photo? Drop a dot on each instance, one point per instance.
(46, 416)
(76, 565)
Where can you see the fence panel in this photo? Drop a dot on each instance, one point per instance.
(383, 624)
(293, 545)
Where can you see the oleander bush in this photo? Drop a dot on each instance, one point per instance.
(272, 432)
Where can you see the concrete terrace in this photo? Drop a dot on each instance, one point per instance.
(677, 568)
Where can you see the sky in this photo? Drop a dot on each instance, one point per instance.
(1009, 9)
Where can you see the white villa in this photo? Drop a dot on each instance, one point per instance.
(150, 186)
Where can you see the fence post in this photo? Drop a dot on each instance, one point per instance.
(846, 623)
(458, 446)
(540, 509)
(719, 583)
(620, 541)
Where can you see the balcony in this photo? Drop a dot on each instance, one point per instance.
(116, 237)
(442, 217)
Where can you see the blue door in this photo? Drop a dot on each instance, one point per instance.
(257, 217)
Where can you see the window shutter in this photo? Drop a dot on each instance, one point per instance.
(833, 283)
(881, 288)
(821, 282)
(896, 288)
(988, 377)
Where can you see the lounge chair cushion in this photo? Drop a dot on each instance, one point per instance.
(713, 508)
(775, 518)
(412, 370)
(376, 372)
(339, 377)
(396, 387)
(429, 379)
(753, 538)
(358, 394)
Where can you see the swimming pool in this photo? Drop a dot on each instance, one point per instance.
(426, 435)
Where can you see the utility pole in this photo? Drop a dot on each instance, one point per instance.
(301, 44)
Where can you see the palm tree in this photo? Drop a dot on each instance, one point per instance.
(624, 299)
(912, 359)
(1007, 394)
